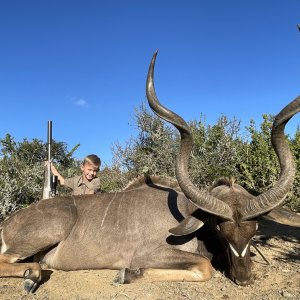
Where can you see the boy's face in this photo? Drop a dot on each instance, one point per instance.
(89, 171)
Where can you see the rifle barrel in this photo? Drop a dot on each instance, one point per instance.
(49, 158)
(49, 139)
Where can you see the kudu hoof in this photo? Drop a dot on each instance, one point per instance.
(127, 275)
(30, 281)
(29, 285)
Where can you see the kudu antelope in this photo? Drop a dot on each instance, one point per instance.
(233, 209)
(129, 230)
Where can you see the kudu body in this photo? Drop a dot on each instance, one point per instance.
(129, 230)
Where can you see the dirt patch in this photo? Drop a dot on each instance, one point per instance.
(279, 244)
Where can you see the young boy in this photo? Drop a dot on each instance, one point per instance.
(87, 182)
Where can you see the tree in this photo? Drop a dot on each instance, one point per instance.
(219, 150)
(215, 151)
(294, 197)
(155, 148)
(153, 151)
(259, 167)
(112, 179)
(22, 171)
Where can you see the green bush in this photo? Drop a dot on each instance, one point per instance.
(219, 150)
(22, 171)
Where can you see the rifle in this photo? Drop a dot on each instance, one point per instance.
(50, 182)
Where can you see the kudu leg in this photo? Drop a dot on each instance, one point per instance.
(31, 272)
(171, 265)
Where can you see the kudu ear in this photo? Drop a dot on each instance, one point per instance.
(187, 226)
(283, 216)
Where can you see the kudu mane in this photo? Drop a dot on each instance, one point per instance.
(152, 180)
(224, 181)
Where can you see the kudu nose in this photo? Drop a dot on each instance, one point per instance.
(244, 283)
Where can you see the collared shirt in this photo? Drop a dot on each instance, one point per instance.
(80, 186)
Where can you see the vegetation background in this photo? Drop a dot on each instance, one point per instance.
(221, 149)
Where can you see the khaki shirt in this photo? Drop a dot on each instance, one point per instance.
(80, 186)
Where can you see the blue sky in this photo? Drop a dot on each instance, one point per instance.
(83, 64)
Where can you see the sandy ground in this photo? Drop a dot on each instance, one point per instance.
(280, 244)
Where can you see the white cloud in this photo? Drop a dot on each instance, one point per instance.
(80, 102)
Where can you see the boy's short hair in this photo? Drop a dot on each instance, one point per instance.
(92, 159)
